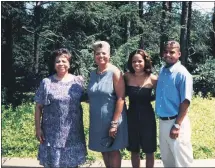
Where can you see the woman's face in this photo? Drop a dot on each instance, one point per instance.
(62, 64)
(101, 56)
(138, 63)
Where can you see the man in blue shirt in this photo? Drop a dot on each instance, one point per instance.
(173, 97)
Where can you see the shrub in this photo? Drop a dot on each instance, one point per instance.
(204, 82)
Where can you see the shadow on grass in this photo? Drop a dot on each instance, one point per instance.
(203, 151)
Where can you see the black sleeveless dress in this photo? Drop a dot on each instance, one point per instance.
(141, 120)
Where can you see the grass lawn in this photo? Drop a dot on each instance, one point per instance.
(18, 136)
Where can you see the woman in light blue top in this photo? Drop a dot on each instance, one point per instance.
(108, 122)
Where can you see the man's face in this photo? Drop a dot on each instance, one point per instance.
(171, 54)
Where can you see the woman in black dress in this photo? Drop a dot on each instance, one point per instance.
(141, 118)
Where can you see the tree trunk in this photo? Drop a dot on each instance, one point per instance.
(170, 10)
(128, 33)
(166, 9)
(8, 74)
(36, 36)
(183, 37)
(213, 33)
(141, 42)
(189, 23)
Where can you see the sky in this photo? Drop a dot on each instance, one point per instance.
(203, 6)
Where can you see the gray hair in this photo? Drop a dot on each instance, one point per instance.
(101, 44)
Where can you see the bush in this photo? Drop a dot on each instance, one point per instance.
(18, 137)
(204, 82)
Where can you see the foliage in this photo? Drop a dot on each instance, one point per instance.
(76, 25)
(204, 81)
(18, 136)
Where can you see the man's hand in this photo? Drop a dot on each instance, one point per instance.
(174, 132)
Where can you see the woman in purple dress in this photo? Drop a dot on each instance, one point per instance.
(58, 116)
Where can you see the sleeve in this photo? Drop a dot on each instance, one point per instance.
(41, 95)
(80, 80)
(186, 87)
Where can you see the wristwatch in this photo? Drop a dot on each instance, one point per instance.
(177, 126)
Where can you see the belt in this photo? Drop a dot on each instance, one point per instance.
(168, 118)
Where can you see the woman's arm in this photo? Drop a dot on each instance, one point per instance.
(126, 80)
(154, 80)
(38, 112)
(119, 86)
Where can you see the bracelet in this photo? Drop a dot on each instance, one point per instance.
(114, 122)
(113, 126)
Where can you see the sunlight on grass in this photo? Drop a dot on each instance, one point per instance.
(18, 136)
(202, 116)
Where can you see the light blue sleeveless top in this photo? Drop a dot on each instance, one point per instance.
(102, 101)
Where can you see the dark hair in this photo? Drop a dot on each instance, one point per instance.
(173, 44)
(55, 54)
(146, 58)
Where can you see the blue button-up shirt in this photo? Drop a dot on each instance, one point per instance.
(175, 84)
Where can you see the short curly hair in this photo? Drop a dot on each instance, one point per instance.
(146, 58)
(55, 54)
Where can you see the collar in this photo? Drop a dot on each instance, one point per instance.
(174, 66)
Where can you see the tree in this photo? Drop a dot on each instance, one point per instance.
(189, 22)
(141, 43)
(165, 21)
(32, 30)
(37, 10)
(213, 32)
(10, 31)
(183, 37)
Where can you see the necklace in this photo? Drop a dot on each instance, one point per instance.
(101, 72)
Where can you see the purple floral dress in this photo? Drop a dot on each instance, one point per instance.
(62, 122)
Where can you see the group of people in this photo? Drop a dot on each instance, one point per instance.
(113, 124)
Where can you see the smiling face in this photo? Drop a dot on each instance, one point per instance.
(62, 64)
(171, 53)
(138, 63)
(102, 56)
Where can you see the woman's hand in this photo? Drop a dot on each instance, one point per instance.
(39, 135)
(113, 132)
(39, 132)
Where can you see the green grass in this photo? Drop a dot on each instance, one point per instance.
(18, 136)
(202, 116)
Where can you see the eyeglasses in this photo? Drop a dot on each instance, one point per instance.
(107, 142)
